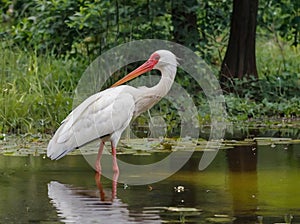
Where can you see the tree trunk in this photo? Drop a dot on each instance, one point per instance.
(239, 60)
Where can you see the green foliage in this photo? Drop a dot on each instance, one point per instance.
(90, 27)
(43, 26)
(271, 88)
(184, 21)
(281, 17)
(240, 109)
(213, 23)
(37, 81)
(277, 91)
(107, 24)
(36, 92)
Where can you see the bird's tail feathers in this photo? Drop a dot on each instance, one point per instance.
(56, 151)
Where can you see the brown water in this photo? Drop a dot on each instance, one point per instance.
(247, 184)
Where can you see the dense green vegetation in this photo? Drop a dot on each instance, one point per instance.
(46, 46)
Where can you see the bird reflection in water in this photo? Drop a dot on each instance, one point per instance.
(81, 205)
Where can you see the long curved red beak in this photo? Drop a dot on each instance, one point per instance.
(146, 67)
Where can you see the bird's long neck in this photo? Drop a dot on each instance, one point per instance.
(164, 85)
(150, 96)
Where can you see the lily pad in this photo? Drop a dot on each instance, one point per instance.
(220, 219)
(8, 153)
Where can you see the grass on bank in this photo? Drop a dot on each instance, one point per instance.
(37, 90)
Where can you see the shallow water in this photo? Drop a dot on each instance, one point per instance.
(246, 184)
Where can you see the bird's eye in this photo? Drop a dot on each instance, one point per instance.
(156, 57)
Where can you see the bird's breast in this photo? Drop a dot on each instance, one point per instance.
(145, 103)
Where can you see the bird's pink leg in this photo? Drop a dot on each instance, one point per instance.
(114, 185)
(116, 171)
(99, 185)
(98, 164)
(115, 163)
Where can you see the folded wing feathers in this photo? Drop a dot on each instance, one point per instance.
(99, 115)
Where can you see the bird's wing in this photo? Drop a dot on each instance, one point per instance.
(106, 113)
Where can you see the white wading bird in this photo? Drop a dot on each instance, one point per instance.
(106, 114)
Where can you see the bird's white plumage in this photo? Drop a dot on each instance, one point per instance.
(106, 114)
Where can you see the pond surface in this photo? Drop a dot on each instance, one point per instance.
(245, 184)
